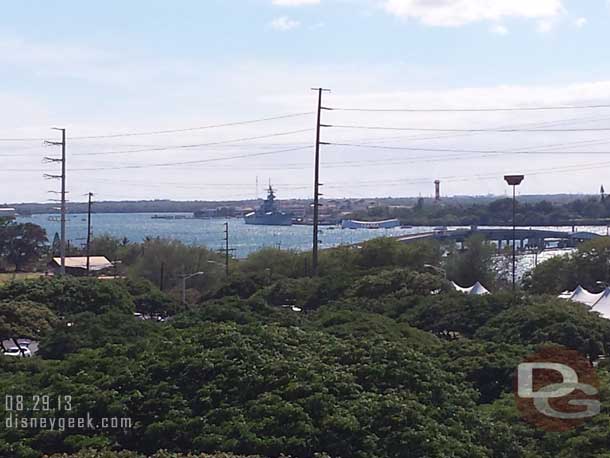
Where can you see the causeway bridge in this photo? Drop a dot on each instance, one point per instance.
(538, 238)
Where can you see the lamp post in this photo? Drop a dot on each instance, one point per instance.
(514, 181)
(184, 279)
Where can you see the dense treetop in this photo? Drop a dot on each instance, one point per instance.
(384, 359)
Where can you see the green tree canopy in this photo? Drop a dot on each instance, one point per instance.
(22, 244)
(25, 319)
(69, 295)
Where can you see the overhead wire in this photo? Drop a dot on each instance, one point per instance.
(198, 161)
(429, 129)
(167, 131)
(197, 145)
(468, 110)
(190, 129)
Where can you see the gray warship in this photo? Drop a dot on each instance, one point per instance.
(268, 214)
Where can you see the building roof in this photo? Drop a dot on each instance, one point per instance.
(80, 262)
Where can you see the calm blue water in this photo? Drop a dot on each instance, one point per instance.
(208, 232)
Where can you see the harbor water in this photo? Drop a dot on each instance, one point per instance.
(244, 238)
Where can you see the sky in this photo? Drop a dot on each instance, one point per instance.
(187, 76)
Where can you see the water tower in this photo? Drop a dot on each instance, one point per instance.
(437, 190)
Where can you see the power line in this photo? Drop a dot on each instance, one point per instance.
(197, 145)
(543, 171)
(425, 137)
(35, 139)
(466, 110)
(428, 129)
(168, 131)
(455, 150)
(190, 129)
(200, 161)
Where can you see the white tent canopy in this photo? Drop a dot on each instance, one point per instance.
(475, 290)
(599, 302)
(585, 297)
(602, 306)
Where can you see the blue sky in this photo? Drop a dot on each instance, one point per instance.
(116, 67)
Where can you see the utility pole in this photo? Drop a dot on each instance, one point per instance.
(89, 234)
(316, 185)
(162, 276)
(227, 249)
(62, 177)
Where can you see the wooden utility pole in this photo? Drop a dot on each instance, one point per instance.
(227, 251)
(162, 276)
(89, 234)
(316, 186)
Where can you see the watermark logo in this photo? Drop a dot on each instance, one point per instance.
(557, 389)
(55, 413)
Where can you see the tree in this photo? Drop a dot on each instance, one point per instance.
(56, 245)
(174, 259)
(387, 252)
(265, 390)
(70, 295)
(566, 323)
(401, 281)
(25, 319)
(589, 267)
(22, 243)
(473, 264)
(592, 262)
(552, 276)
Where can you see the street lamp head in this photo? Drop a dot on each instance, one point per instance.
(514, 180)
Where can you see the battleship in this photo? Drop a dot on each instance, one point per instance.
(268, 214)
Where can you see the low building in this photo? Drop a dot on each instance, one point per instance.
(77, 265)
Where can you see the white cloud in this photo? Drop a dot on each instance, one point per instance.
(284, 23)
(453, 13)
(499, 29)
(295, 2)
(545, 26)
(580, 22)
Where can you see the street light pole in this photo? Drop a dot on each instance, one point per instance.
(514, 181)
(514, 235)
(184, 279)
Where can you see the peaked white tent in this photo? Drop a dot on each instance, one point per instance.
(599, 302)
(585, 297)
(479, 290)
(475, 290)
(602, 306)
